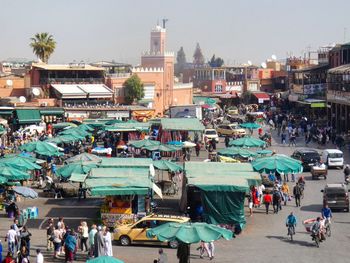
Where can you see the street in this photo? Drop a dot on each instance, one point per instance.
(263, 240)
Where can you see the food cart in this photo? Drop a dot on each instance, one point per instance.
(319, 171)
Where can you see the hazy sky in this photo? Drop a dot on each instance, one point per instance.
(238, 31)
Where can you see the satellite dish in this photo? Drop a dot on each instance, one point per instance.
(249, 63)
(36, 91)
(274, 57)
(22, 99)
(9, 82)
(263, 65)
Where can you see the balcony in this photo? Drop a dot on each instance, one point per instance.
(71, 81)
(118, 75)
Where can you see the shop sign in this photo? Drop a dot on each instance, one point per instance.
(314, 88)
(110, 220)
(318, 105)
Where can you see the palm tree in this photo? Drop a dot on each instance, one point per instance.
(43, 46)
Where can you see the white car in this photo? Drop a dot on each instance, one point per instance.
(210, 134)
(333, 158)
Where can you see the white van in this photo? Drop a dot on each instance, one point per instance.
(333, 158)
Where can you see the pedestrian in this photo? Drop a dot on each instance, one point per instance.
(293, 177)
(84, 235)
(70, 244)
(227, 141)
(276, 199)
(285, 177)
(285, 192)
(250, 203)
(297, 192)
(107, 238)
(9, 258)
(57, 240)
(99, 243)
(92, 234)
(11, 238)
(283, 138)
(25, 239)
(39, 256)
(211, 249)
(198, 148)
(267, 201)
(0, 251)
(163, 257)
(49, 235)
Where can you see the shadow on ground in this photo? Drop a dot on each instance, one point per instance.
(294, 242)
(311, 208)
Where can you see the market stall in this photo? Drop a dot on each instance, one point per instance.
(215, 192)
(127, 191)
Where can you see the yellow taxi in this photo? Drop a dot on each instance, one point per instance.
(230, 130)
(136, 232)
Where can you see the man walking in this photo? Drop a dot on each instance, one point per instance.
(267, 201)
(297, 192)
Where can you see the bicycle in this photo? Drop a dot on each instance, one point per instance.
(291, 231)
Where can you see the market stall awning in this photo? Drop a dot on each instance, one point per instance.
(53, 111)
(79, 178)
(112, 190)
(68, 91)
(128, 126)
(213, 176)
(181, 124)
(96, 91)
(26, 116)
(126, 162)
(262, 96)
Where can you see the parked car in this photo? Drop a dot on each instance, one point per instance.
(210, 134)
(333, 158)
(230, 130)
(336, 196)
(308, 157)
(132, 233)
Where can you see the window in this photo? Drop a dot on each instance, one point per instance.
(218, 88)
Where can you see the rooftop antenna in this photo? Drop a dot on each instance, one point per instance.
(165, 20)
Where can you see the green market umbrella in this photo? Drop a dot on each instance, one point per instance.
(12, 174)
(84, 157)
(79, 168)
(76, 131)
(167, 166)
(161, 148)
(62, 125)
(104, 259)
(278, 162)
(25, 192)
(144, 143)
(23, 155)
(42, 148)
(236, 151)
(250, 125)
(67, 138)
(20, 163)
(85, 127)
(247, 142)
(3, 180)
(189, 233)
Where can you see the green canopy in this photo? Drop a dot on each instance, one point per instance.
(3, 180)
(125, 162)
(112, 190)
(204, 100)
(181, 124)
(20, 163)
(84, 157)
(162, 148)
(79, 167)
(22, 155)
(27, 116)
(264, 152)
(144, 143)
(42, 148)
(247, 142)
(104, 259)
(80, 178)
(189, 233)
(278, 162)
(167, 166)
(250, 125)
(12, 174)
(62, 125)
(111, 122)
(235, 151)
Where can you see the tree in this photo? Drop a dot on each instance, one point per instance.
(43, 46)
(216, 62)
(133, 89)
(198, 58)
(180, 61)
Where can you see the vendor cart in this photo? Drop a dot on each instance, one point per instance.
(317, 171)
